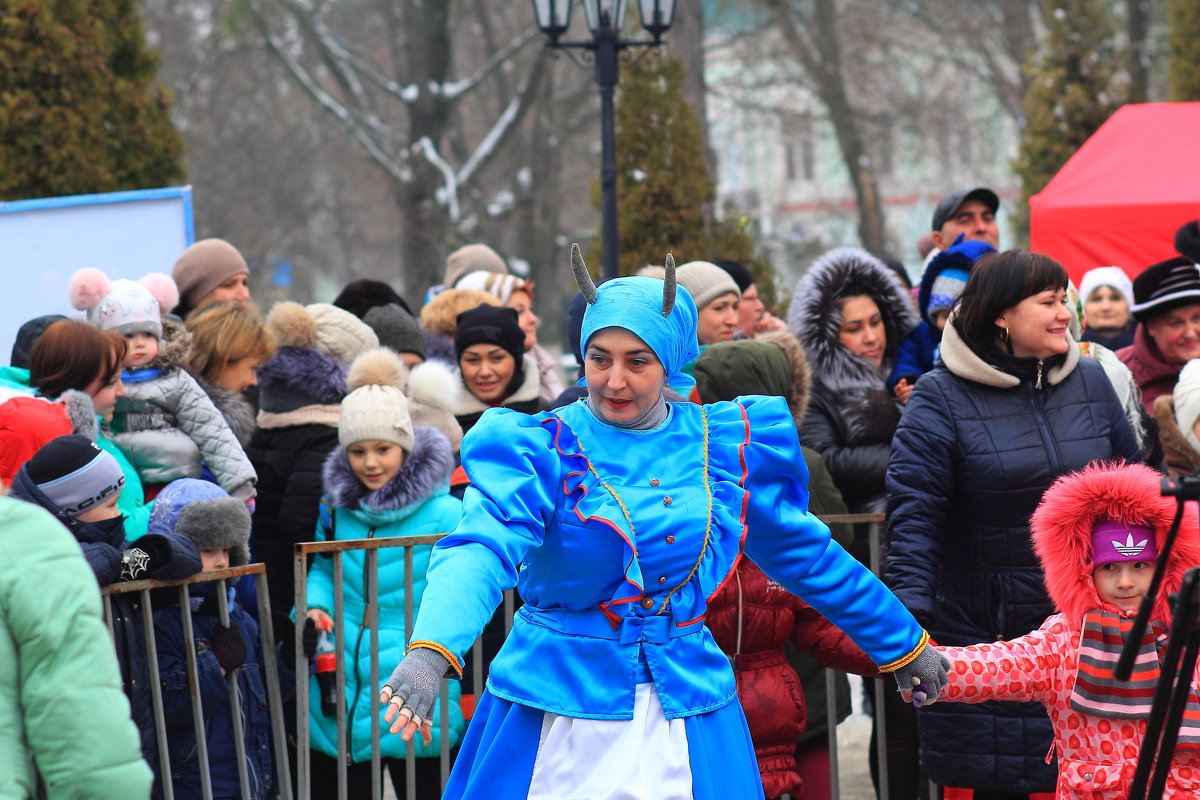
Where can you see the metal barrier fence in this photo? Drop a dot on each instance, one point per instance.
(270, 668)
(337, 548)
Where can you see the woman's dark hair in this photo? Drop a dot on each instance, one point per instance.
(856, 287)
(72, 354)
(999, 281)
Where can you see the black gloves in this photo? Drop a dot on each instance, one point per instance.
(228, 646)
(308, 638)
(147, 555)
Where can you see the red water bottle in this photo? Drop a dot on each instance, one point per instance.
(327, 674)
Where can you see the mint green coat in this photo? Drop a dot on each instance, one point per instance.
(60, 691)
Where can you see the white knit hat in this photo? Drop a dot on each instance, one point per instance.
(1106, 276)
(376, 408)
(340, 333)
(1187, 401)
(122, 305)
(705, 282)
(495, 284)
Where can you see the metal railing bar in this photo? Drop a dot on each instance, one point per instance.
(235, 700)
(193, 673)
(200, 577)
(372, 619)
(156, 698)
(266, 632)
(410, 750)
(303, 760)
(339, 630)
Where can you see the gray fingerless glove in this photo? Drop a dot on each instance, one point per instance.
(415, 682)
(925, 676)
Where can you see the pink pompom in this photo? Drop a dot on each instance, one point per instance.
(87, 288)
(163, 288)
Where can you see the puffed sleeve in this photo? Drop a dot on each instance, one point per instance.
(795, 548)
(513, 466)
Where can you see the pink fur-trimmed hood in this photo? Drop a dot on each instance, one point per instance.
(1062, 532)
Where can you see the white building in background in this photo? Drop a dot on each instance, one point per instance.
(779, 162)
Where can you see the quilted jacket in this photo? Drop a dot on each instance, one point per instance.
(167, 425)
(976, 448)
(1097, 756)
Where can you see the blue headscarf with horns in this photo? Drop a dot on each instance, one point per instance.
(636, 305)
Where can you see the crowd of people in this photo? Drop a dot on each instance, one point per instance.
(654, 505)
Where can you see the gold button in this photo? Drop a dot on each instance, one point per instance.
(670, 540)
(647, 602)
(663, 579)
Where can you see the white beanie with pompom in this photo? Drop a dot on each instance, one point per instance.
(376, 408)
(122, 305)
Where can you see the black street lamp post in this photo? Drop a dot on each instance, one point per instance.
(604, 20)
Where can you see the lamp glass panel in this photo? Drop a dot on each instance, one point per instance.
(666, 14)
(595, 9)
(552, 15)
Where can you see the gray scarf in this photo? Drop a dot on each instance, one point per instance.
(651, 418)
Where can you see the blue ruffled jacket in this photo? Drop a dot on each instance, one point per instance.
(616, 544)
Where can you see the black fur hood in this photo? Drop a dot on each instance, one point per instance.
(816, 320)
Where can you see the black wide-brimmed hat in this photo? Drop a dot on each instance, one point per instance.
(1165, 286)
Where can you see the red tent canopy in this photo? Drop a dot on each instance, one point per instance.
(1121, 197)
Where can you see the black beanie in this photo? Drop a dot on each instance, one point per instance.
(359, 297)
(488, 324)
(741, 276)
(27, 336)
(491, 325)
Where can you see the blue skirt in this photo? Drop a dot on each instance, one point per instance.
(497, 755)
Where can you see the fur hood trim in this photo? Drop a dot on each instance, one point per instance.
(303, 371)
(1062, 532)
(173, 346)
(292, 325)
(81, 413)
(964, 362)
(425, 470)
(329, 415)
(816, 319)
(1173, 440)
(801, 372)
(526, 392)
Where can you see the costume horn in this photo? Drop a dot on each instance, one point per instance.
(586, 287)
(669, 286)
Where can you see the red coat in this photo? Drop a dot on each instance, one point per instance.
(768, 687)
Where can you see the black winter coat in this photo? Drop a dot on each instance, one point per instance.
(288, 461)
(974, 452)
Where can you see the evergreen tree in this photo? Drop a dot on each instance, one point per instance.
(1074, 86)
(80, 110)
(663, 183)
(1183, 66)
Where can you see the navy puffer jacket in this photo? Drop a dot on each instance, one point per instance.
(976, 448)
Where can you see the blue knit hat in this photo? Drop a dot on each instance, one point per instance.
(947, 287)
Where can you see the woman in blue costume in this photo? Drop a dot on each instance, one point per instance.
(617, 517)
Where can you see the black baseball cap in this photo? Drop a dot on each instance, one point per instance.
(951, 202)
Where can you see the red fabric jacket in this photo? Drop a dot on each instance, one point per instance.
(27, 423)
(751, 618)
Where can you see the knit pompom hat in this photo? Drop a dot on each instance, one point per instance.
(206, 514)
(122, 305)
(705, 282)
(321, 326)
(472, 258)
(376, 408)
(500, 286)
(204, 266)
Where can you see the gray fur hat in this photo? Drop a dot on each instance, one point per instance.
(206, 514)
